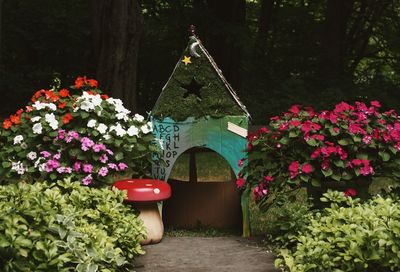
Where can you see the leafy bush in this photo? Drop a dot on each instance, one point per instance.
(76, 132)
(346, 146)
(66, 227)
(352, 236)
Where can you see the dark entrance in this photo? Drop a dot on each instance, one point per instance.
(203, 192)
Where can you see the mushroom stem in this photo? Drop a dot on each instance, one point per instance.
(152, 221)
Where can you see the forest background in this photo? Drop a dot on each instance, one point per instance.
(274, 53)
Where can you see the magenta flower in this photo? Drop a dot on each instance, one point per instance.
(268, 178)
(103, 158)
(350, 192)
(86, 143)
(98, 147)
(45, 154)
(306, 168)
(241, 162)
(103, 171)
(87, 180)
(87, 168)
(77, 166)
(122, 166)
(61, 134)
(294, 169)
(240, 182)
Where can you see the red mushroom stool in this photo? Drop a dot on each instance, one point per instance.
(144, 194)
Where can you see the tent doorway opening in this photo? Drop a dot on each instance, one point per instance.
(204, 192)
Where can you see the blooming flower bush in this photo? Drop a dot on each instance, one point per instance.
(347, 145)
(76, 132)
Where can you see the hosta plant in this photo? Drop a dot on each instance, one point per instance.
(346, 146)
(77, 132)
(348, 236)
(64, 226)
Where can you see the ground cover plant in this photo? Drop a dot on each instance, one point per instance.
(344, 147)
(348, 236)
(77, 132)
(64, 226)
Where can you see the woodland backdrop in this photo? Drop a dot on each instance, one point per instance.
(274, 52)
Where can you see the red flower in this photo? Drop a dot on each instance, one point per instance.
(63, 93)
(92, 83)
(7, 124)
(62, 105)
(28, 108)
(50, 95)
(350, 192)
(241, 162)
(294, 169)
(104, 96)
(295, 123)
(268, 178)
(295, 109)
(318, 137)
(306, 168)
(375, 104)
(16, 119)
(79, 82)
(67, 118)
(240, 182)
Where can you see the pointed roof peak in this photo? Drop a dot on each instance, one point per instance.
(197, 63)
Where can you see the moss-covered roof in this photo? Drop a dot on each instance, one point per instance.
(197, 89)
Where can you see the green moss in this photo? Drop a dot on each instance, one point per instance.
(215, 101)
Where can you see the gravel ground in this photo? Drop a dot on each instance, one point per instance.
(205, 254)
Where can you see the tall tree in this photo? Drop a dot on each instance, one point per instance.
(117, 28)
(224, 36)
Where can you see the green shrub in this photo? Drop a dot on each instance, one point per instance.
(66, 227)
(355, 237)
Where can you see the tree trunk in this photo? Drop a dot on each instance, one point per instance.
(333, 50)
(117, 28)
(1, 34)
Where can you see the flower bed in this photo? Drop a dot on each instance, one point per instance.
(77, 132)
(348, 145)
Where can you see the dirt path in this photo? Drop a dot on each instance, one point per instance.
(205, 254)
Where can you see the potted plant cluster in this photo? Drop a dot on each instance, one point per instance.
(341, 149)
(77, 132)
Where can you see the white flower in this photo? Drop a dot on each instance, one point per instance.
(18, 167)
(51, 120)
(102, 128)
(107, 137)
(138, 117)
(37, 162)
(145, 129)
(119, 130)
(91, 123)
(133, 131)
(122, 116)
(37, 128)
(36, 118)
(32, 155)
(40, 106)
(87, 106)
(18, 139)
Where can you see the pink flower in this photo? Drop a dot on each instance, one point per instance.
(61, 134)
(112, 166)
(87, 180)
(318, 137)
(87, 168)
(367, 139)
(295, 109)
(240, 182)
(375, 104)
(98, 147)
(343, 106)
(350, 192)
(241, 162)
(103, 171)
(283, 126)
(77, 166)
(122, 166)
(325, 165)
(103, 158)
(263, 130)
(295, 123)
(306, 168)
(45, 154)
(294, 169)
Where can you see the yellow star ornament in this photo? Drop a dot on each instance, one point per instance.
(186, 60)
